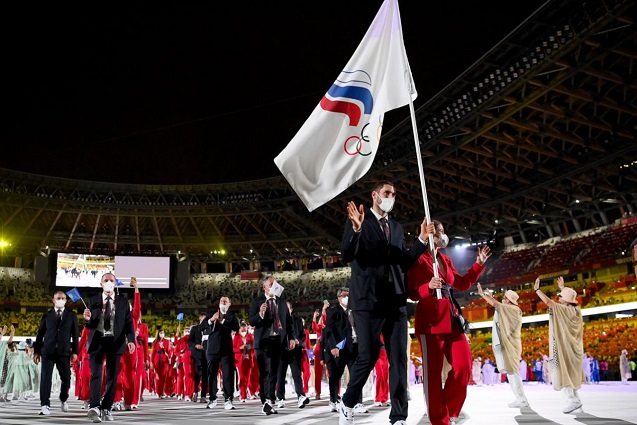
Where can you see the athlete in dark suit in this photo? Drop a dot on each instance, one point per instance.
(272, 334)
(378, 256)
(292, 359)
(219, 327)
(56, 345)
(338, 328)
(107, 340)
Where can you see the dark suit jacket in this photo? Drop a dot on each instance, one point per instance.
(195, 338)
(374, 261)
(337, 328)
(263, 326)
(220, 334)
(51, 340)
(123, 330)
(298, 330)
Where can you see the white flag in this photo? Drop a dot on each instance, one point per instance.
(337, 144)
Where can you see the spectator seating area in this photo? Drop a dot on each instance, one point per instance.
(590, 249)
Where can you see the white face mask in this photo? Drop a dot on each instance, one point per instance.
(243, 333)
(108, 286)
(60, 303)
(386, 204)
(443, 241)
(186, 333)
(223, 308)
(344, 301)
(161, 335)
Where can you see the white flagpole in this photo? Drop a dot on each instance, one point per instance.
(432, 248)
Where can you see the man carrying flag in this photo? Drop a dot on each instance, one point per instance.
(337, 144)
(335, 147)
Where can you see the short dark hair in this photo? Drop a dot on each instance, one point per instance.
(341, 290)
(378, 186)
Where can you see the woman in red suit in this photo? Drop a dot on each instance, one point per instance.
(84, 376)
(160, 361)
(437, 327)
(243, 344)
(305, 360)
(318, 324)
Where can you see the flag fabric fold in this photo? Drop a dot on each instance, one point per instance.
(337, 144)
(74, 295)
(180, 316)
(341, 344)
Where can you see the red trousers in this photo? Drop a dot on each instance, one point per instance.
(305, 371)
(84, 379)
(445, 403)
(318, 369)
(189, 379)
(243, 365)
(162, 376)
(140, 372)
(382, 380)
(253, 385)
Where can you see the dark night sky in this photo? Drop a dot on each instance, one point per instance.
(205, 92)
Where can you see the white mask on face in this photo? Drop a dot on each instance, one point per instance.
(60, 303)
(109, 286)
(223, 308)
(386, 204)
(161, 334)
(243, 333)
(443, 241)
(344, 301)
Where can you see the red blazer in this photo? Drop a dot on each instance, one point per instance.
(433, 315)
(237, 342)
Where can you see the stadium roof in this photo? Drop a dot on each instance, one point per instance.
(535, 139)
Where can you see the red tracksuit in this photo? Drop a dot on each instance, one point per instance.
(440, 337)
(160, 358)
(243, 360)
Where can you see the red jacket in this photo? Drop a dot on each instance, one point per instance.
(434, 315)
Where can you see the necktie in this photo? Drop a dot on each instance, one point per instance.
(59, 317)
(385, 226)
(107, 314)
(276, 323)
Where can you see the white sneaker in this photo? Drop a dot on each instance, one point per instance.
(94, 414)
(303, 401)
(45, 410)
(228, 405)
(360, 408)
(400, 422)
(85, 404)
(64, 406)
(187, 399)
(211, 404)
(345, 415)
(134, 406)
(378, 404)
(280, 404)
(106, 415)
(333, 407)
(572, 407)
(519, 404)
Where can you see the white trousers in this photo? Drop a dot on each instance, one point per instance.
(516, 386)
(570, 396)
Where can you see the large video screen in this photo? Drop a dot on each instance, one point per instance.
(86, 270)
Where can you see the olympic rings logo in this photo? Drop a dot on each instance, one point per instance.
(354, 144)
